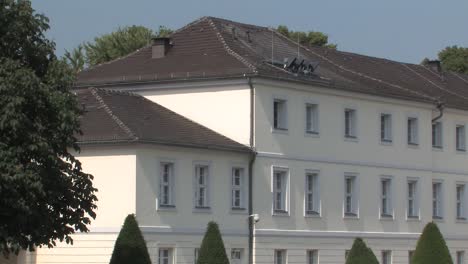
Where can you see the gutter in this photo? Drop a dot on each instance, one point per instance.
(251, 164)
(440, 107)
(155, 142)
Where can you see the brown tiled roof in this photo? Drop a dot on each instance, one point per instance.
(113, 116)
(217, 48)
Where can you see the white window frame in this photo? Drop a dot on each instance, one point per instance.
(412, 131)
(415, 199)
(386, 197)
(280, 115)
(238, 188)
(169, 257)
(282, 259)
(312, 120)
(460, 201)
(437, 202)
(352, 133)
(460, 257)
(312, 256)
(205, 185)
(387, 257)
(385, 128)
(284, 190)
(460, 140)
(314, 193)
(170, 184)
(236, 252)
(437, 135)
(351, 195)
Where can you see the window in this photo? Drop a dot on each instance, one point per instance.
(279, 114)
(312, 119)
(386, 128)
(412, 131)
(350, 202)
(280, 256)
(386, 198)
(279, 190)
(201, 186)
(386, 257)
(166, 185)
(437, 135)
(461, 202)
(196, 253)
(413, 210)
(410, 256)
(236, 256)
(312, 257)
(312, 202)
(237, 188)
(165, 256)
(350, 123)
(437, 200)
(460, 138)
(460, 257)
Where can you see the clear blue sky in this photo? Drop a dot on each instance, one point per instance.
(403, 30)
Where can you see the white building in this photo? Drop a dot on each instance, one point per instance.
(345, 146)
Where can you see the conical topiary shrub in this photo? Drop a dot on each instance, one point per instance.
(212, 249)
(361, 254)
(130, 246)
(431, 247)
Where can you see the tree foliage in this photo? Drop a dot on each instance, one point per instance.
(111, 46)
(431, 247)
(312, 38)
(212, 249)
(130, 246)
(454, 59)
(361, 254)
(44, 194)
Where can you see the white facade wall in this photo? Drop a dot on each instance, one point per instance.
(224, 108)
(332, 156)
(127, 178)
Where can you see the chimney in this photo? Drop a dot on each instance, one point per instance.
(160, 46)
(434, 65)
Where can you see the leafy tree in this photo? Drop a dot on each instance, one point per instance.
(454, 59)
(76, 58)
(120, 43)
(130, 246)
(313, 38)
(44, 194)
(431, 247)
(361, 254)
(212, 249)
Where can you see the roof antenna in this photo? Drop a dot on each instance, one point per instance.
(298, 48)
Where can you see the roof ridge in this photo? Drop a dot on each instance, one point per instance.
(355, 72)
(120, 123)
(228, 49)
(190, 120)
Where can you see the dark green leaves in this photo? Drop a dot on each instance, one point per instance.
(212, 249)
(44, 194)
(312, 38)
(130, 246)
(361, 254)
(454, 59)
(431, 247)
